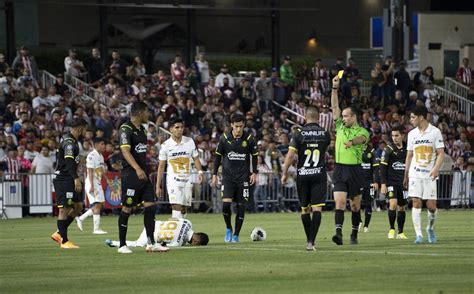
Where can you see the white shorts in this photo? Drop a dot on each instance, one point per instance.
(425, 189)
(179, 194)
(98, 195)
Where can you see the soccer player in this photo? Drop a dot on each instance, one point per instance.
(67, 183)
(173, 233)
(177, 152)
(370, 165)
(310, 144)
(392, 170)
(425, 155)
(136, 185)
(350, 141)
(95, 173)
(234, 150)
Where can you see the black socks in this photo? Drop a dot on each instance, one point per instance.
(123, 224)
(149, 222)
(227, 212)
(239, 218)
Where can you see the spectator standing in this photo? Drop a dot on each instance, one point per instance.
(94, 66)
(25, 60)
(464, 73)
(264, 89)
(287, 76)
(118, 63)
(224, 74)
(43, 163)
(178, 69)
(73, 66)
(402, 80)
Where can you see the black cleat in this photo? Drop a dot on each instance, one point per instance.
(337, 239)
(354, 240)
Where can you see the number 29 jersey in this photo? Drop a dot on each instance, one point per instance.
(174, 232)
(310, 142)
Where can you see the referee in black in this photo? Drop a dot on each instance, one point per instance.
(235, 149)
(67, 183)
(309, 143)
(350, 142)
(137, 188)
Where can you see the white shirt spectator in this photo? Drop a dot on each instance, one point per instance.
(203, 68)
(31, 155)
(70, 66)
(220, 80)
(38, 101)
(42, 164)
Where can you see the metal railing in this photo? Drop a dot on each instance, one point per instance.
(365, 88)
(36, 192)
(456, 87)
(88, 89)
(463, 103)
(47, 79)
(287, 109)
(164, 132)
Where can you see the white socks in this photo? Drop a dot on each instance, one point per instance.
(176, 214)
(431, 218)
(96, 218)
(416, 217)
(85, 215)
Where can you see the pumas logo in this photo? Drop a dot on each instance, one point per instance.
(141, 148)
(236, 156)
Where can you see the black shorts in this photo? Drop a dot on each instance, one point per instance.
(312, 191)
(238, 192)
(66, 195)
(136, 191)
(348, 178)
(397, 192)
(368, 194)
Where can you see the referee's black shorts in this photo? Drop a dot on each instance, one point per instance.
(312, 190)
(348, 178)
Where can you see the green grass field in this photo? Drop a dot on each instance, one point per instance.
(31, 262)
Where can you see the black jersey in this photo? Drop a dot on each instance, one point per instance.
(136, 139)
(236, 153)
(370, 166)
(392, 165)
(310, 142)
(68, 151)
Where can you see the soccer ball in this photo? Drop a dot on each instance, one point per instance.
(258, 234)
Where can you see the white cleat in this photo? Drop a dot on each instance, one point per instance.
(366, 229)
(99, 232)
(79, 224)
(156, 248)
(124, 250)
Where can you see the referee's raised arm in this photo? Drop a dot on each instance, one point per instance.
(336, 111)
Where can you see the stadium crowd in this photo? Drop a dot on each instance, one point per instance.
(33, 119)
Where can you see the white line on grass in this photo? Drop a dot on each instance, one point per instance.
(227, 247)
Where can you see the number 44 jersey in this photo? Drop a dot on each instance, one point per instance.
(310, 142)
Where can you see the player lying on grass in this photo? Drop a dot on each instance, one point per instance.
(173, 233)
